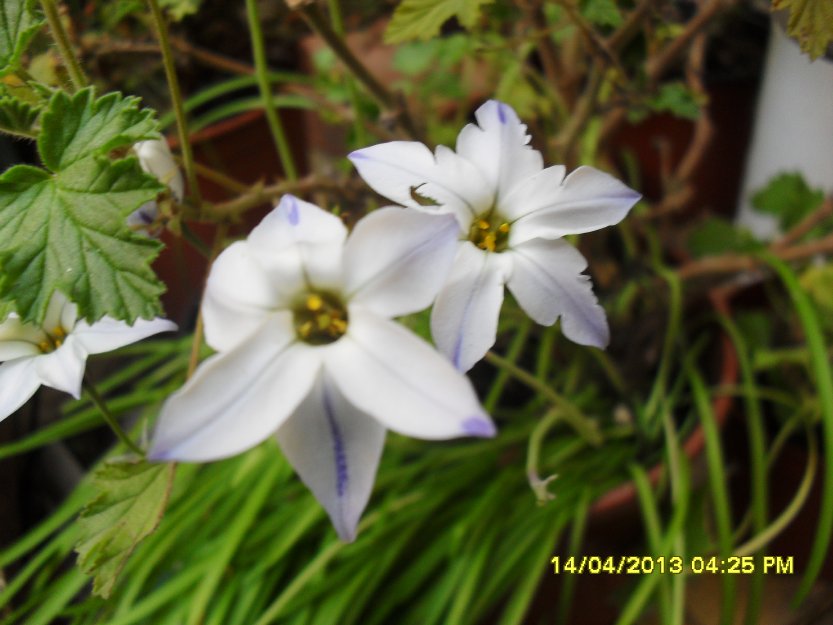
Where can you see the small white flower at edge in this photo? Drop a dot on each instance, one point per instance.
(512, 214)
(55, 354)
(155, 158)
(301, 318)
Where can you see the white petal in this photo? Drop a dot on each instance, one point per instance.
(497, 145)
(588, 199)
(239, 294)
(399, 169)
(108, 334)
(396, 260)
(18, 339)
(155, 158)
(400, 380)
(295, 221)
(10, 350)
(60, 313)
(335, 449)
(465, 315)
(299, 243)
(238, 398)
(18, 382)
(548, 283)
(63, 369)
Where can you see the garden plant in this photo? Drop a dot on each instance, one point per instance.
(469, 336)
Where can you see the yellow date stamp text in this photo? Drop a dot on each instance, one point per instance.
(646, 565)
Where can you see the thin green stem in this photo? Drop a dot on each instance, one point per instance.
(658, 392)
(585, 427)
(653, 533)
(757, 460)
(53, 17)
(380, 93)
(533, 454)
(758, 542)
(822, 373)
(358, 121)
(720, 496)
(263, 83)
(502, 377)
(98, 400)
(176, 100)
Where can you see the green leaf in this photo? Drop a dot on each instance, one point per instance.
(788, 197)
(601, 12)
(81, 125)
(718, 236)
(810, 22)
(18, 23)
(816, 281)
(18, 117)
(127, 508)
(422, 19)
(675, 98)
(69, 231)
(66, 228)
(179, 9)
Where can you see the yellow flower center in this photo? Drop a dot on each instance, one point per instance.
(490, 232)
(53, 340)
(320, 319)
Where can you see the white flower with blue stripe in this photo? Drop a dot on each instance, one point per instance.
(512, 214)
(301, 317)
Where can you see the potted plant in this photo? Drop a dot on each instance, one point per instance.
(512, 528)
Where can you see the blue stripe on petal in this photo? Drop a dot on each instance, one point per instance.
(479, 426)
(339, 453)
(501, 112)
(293, 211)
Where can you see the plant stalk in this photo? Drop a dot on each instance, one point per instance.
(380, 93)
(53, 17)
(176, 100)
(262, 75)
(99, 402)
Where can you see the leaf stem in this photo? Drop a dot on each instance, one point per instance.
(53, 17)
(98, 400)
(584, 426)
(176, 99)
(263, 83)
(358, 121)
(380, 93)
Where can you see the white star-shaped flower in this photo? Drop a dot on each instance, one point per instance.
(300, 315)
(512, 214)
(55, 353)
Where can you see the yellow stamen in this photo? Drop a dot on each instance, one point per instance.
(314, 302)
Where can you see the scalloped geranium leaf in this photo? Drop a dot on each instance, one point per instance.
(19, 21)
(18, 117)
(78, 126)
(130, 500)
(422, 19)
(68, 230)
(810, 22)
(65, 228)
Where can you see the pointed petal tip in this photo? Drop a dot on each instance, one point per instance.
(479, 427)
(357, 155)
(346, 534)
